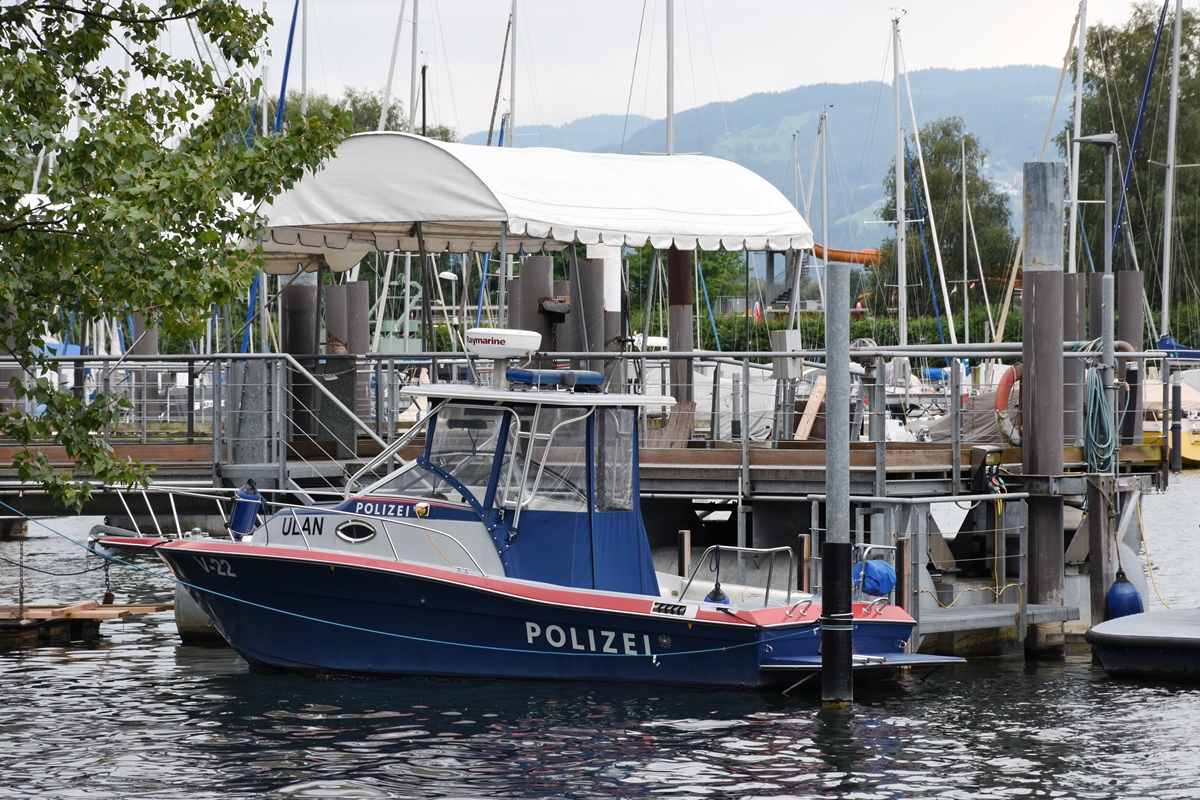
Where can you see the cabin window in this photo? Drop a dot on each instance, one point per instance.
(615, 435)
(512, 462)
(547, 460)
(464, 445)
(415, 481)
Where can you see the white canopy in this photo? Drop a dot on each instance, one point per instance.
(378, 186)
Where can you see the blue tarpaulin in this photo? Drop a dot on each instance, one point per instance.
(874, 577)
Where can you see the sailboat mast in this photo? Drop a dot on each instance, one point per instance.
(387, 90)
(412, 83)
(499, 82)
(304, 58)
(966, 294)
(795, 174)
(670, 77)
(901, 244)
(1073, 221)
(511, 141)
(1169, 184)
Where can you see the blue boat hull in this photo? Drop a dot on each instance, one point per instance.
(298, 612)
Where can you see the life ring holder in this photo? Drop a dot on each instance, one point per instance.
(1008, 422)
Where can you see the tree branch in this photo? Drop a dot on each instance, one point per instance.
(129, 21)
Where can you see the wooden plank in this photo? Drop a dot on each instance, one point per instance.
(100, 613)
(93, 610)
(148, 453)
(815, 398)
(39, 613)
(678, 428)
(798, 455)
(64, 611)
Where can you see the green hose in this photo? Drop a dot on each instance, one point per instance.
(1099, 437)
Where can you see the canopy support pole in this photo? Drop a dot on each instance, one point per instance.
(502, 273)
(427, 339)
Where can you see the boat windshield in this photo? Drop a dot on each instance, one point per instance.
(463, 446)
(544, 463)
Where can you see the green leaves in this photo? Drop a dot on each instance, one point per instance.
(137, 168)
(942, 142)
(60, 418)
(1117, 59)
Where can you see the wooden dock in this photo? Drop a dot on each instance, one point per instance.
(61, 624)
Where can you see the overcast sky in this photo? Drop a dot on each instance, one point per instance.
(576, 58)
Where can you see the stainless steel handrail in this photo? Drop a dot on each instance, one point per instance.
(771, 551)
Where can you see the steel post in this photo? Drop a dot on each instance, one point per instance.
(1074, 330)
(837, 637)
(1043, 397)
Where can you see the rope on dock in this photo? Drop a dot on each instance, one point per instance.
(995, 591)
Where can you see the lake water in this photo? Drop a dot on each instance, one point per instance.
(138, 715)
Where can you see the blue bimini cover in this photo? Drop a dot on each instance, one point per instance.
(874, 577)
(621, 554)
(606, 551)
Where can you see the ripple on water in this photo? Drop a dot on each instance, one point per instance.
(139, 715)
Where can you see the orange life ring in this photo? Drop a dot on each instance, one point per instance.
(1009, 424)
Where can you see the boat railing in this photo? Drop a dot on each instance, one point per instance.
(388, 454)
(430, 532)
(716, 550)
(866, 552)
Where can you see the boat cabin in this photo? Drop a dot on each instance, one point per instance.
(536, 482)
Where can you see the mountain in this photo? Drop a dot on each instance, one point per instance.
(1008, 108)
(584, 135)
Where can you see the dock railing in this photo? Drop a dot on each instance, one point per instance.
(904, 524)
(277, 416)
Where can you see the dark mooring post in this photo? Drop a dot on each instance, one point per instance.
(837, 638)
(679, 320)
(1043, 381)
(1176, 423)
(1130, 324)
(1102, 541)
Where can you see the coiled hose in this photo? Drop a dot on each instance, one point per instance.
(1099, 436)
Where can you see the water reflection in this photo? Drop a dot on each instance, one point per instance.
(138, 715)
